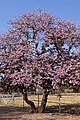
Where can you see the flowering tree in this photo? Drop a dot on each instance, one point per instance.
(39, 50)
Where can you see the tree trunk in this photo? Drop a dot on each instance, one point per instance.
(44, 101)
(33, 108)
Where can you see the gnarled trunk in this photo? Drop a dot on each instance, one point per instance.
(41, 109)
(44, 101)
(33, 108)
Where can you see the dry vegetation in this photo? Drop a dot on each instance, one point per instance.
(70, 108)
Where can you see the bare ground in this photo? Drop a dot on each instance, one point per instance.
(70, 112)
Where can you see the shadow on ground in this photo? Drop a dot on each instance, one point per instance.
(11, 109)
(69, 109)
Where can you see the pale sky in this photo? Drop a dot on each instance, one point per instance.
(64, 9)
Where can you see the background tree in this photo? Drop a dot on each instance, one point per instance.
(39, 50)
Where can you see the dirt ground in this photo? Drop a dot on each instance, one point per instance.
(20, 113)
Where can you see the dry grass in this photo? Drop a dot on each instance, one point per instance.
(52, 100)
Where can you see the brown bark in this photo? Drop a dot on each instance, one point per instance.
(44, 101)
(33, 108)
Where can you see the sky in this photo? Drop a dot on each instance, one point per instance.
(64, 9)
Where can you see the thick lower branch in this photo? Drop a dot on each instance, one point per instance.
(44, 101)
(25, 97)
